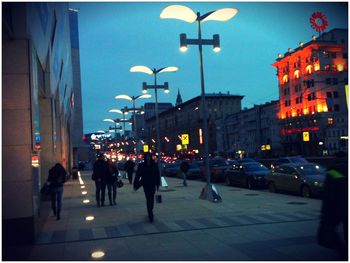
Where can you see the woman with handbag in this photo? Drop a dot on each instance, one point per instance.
(56, 179)
(148, 176)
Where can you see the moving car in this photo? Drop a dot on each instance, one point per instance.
(248, 174)
(306, 179)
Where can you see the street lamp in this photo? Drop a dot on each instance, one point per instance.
(134, 109)
(165, 87)
(188, 15)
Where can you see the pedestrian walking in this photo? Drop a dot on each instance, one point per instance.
(112, 182)
(184, 167)
(334, 210)
(129, 167)
(148, 176)
(100, 175)
(56, 179)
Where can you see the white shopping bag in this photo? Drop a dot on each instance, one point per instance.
(163, 182)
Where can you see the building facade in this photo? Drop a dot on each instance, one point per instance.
(37, 110)
(80, 149)
(313, 81)
(185, 118)
(251, 132)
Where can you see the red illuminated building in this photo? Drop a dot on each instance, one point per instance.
(313, 79)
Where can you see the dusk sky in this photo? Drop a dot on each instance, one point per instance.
(114, 36)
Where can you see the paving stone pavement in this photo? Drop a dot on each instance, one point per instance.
(247, 225)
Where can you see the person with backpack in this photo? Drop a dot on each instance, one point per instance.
(99, 175)
(56, 179)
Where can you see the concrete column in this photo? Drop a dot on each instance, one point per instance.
(17, 177)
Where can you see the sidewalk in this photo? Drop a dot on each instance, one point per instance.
(247, 225)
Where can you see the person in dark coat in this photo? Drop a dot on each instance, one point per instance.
(112, 182)
(56, 179)
(148, 176)
(184, 167)
(334, 210)
(100, 175)
(129, 167)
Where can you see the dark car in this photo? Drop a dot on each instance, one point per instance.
(248, 174)
(171, 169)
(291, 159)
(217, 168)
(305, 179)
(193, 172)
(246, 160)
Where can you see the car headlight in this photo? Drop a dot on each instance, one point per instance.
(318, 184)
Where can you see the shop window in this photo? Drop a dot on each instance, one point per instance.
(327, 67)
(330, 121)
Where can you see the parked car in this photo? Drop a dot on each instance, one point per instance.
(248, 174)
(306, 179)
(291, 159)
(217, 167)
(193, 172)
(246, 160)
(171, 169)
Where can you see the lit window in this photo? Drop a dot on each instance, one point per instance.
(327, 67)
(330, 121)
(317, 67)
(285, 79)
(297, 74)
(309, 69)
(340, 67)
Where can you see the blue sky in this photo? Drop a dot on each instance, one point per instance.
(115, 36)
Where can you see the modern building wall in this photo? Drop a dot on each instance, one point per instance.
(79, 147)
(312, 81)
(37, 86)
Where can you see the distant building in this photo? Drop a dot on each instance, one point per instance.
(150, 108)
(186, 118)
(313, 80)
(251, 132)
(39, 100)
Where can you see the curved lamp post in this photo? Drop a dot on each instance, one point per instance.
(134, 109)
(188, 15)
(165, 87)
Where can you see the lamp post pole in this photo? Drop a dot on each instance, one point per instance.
(203, 102)
(186, 14)
(165, 87)
(157, 124)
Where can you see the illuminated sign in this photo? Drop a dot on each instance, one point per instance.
(298, 130)
(178, 147)
(306, 136)
(185, 138)
(200, 136)
(145, 148)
